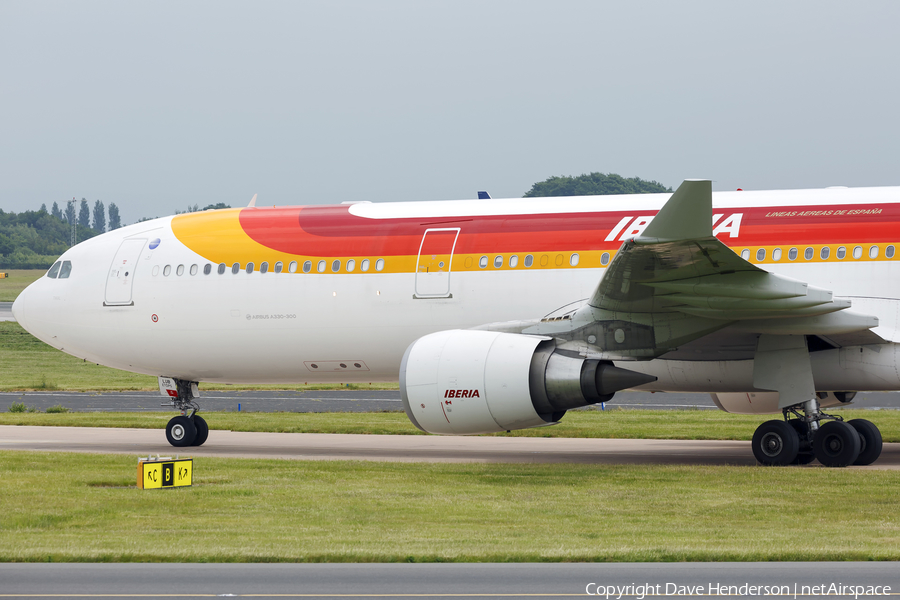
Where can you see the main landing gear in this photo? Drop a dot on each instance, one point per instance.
(802, 438)
(189, 428)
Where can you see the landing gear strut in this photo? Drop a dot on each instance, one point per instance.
(803, 438)
(188, 428)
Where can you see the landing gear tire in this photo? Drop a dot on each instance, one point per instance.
(836, 444)
(806, 454)
(775, 443)
(180, 431)
(869, 441)
(202, 430)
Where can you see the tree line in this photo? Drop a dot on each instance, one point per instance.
(34, 239)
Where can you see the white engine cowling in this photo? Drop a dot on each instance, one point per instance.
(472, 381)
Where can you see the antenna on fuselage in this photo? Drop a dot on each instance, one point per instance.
(252, 201)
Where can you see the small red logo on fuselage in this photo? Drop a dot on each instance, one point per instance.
(462, 394)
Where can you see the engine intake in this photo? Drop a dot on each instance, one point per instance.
(470, 382)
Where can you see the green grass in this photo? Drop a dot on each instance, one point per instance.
(18, 280)
(78, 507)
(26, 363)
(636, 424)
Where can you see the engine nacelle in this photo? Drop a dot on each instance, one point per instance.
(470, 382)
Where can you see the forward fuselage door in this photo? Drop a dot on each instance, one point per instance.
(434, 262)
(121, 273)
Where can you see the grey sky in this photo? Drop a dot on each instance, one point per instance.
(157, 105)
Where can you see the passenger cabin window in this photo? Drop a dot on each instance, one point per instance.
(236, 268)
(364, 265)
(745, 253)
(483, 262)
(321, 266)
(776, 254)
(825, 252)
(857, 252)
(379, 264)
(222, 268)
(808, 253)
(513, 261)
(307, 266)
(529, 260)
(155, 270)
(335, 266)
(792, 254)
(194, 269)
(573, 260)
(873, 253)
(264, 267)
(498, 261)
(351, 265)
(889, 252)
(167, 270)
(250, 267)
(207, 269)
(604, 259)
(180, 270)
(761, 254)
(279, 266)
(841, 252)
(65, 270)
(54, 270)
(292, 268)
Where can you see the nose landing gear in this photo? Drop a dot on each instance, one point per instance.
(188, 428)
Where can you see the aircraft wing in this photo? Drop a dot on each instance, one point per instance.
(678, 265)
(676, 284)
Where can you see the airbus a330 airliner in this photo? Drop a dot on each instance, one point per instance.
(504, 314)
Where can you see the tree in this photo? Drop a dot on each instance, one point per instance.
(190, 209)
(114, 221)
(84, 214)
(43, 208)
(34, 239)
(99, 224)
(216, 206)
(56, 212)
(594, 184)
(70, 212)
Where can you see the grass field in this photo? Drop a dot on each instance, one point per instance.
(18, 280)
(637, 424)
(87, 508)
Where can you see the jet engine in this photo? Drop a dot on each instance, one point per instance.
(470, 382)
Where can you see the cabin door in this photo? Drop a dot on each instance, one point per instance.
(121, 273)
(434, 262)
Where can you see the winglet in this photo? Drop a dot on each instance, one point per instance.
(252, 202)
(687, 215)
(484, 196)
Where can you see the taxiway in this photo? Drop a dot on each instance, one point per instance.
(401, 448)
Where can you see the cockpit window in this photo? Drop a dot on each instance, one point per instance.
(65, 270)
(54, 270)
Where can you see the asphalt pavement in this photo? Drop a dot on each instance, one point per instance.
(517, 580)
(397, 448)
(348, 401)
(6, 311)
